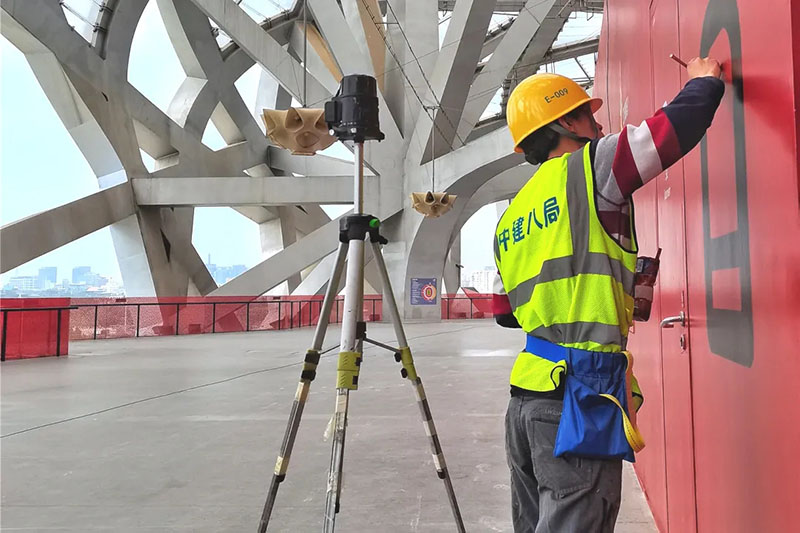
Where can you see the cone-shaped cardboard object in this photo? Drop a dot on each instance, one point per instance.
(432, 204)
(301, 130)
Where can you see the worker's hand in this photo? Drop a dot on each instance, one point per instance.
(700, 67)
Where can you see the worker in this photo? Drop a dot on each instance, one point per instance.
(566, 255)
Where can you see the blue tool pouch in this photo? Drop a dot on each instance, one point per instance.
(592, 423)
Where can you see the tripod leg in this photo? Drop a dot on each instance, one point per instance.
(410, 372)
(347, 375)
(306, 377)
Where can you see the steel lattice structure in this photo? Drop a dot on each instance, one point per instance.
(426, 90)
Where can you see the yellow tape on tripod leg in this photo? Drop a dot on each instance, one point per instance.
(408, 363)
(301, 395)
(281, 466)
(347, 370)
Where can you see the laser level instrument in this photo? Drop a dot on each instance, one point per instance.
(352, 115)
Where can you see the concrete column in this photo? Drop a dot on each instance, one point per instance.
(278, 234)
(419, 20)
(452, 273)
(131, 255)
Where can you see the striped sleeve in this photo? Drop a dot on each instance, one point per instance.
(626, 161)
(501, 306)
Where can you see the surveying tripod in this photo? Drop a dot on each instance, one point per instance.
(353, 232)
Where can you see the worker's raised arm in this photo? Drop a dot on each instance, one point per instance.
(625, 161)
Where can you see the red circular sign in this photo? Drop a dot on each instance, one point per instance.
(428, 292)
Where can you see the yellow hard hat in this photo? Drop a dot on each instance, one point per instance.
(539, 100)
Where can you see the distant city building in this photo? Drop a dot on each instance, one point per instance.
(80, 274)
(226, 273)
(482, 280)
(223, 274)
(23, 283)
(95, 280)
(47, 277)
(44, 285)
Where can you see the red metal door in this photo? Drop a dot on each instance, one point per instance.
(679, 436)
(743, 224)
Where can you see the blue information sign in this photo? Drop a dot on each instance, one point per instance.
(423, 291)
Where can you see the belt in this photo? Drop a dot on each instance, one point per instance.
(546, 349)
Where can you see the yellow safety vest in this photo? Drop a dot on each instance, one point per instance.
(567, 280)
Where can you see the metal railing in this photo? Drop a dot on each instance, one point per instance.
(473, 306)
(160, 318)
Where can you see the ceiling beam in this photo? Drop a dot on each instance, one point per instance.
(543, 40)
(451, 79)
(243, 191)
(569, 51)
(318, 165)
(494, 36)
(262, 47)
(490, 78)
(515, 6)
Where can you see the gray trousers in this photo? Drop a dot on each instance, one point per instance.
(556, 494)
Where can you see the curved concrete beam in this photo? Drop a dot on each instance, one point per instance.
(121, 29)
(467, 169)
(433, 240)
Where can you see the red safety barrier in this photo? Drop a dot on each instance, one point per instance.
(34, 332)
(153, 317)
(31, 333)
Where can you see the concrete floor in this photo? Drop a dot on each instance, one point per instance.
(181, 433)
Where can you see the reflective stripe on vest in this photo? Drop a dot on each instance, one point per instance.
(567, 280)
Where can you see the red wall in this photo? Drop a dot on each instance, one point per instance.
(720, 418)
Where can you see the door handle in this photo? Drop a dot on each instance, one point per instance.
(670, 321)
